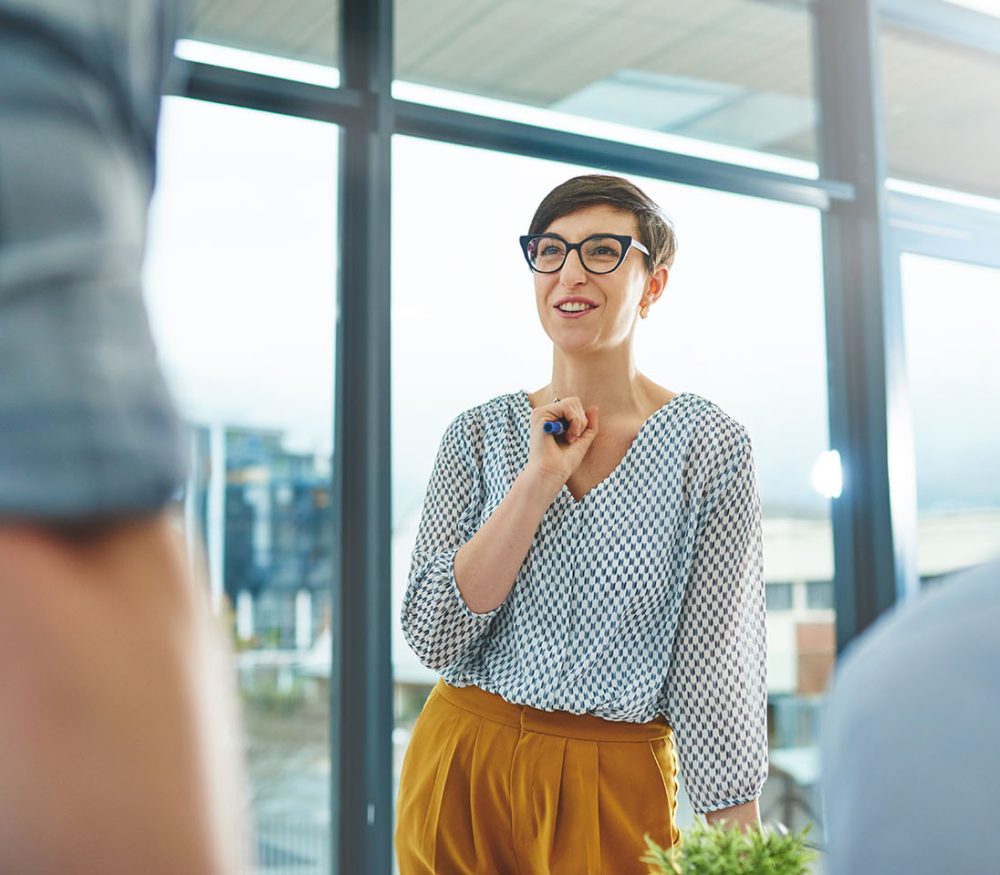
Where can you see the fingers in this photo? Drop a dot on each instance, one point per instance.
(589, 428)
(571, 409)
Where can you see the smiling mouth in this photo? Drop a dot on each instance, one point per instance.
(574, 314)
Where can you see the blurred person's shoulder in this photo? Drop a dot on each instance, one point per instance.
(933, 663)
(958, 617)
(910, 719)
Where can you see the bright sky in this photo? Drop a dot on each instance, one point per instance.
(241, 267)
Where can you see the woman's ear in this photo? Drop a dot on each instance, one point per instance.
(656, 283)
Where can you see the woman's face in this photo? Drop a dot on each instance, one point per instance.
(616, 296)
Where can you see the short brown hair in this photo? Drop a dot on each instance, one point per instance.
(656, 231)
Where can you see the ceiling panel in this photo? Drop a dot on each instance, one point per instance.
(942, 113)
(735, 71)
(305, 30)
(661, 66)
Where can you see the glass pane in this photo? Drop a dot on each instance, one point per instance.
(819, 594)
(951, 311)
(713, 332)
(240, 278)
(736, 73)
(779, 596)
(305, 31)
(941, 103)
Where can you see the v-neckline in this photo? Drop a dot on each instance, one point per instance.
(577, 502)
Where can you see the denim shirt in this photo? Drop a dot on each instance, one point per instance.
(87, 425)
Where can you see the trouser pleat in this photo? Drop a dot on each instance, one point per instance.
(490, 799)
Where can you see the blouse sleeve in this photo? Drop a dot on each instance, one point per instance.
(715, 695)
(437, 623)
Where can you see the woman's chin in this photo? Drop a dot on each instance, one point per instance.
(575, 345)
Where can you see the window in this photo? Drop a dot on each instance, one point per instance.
(950, 310)
(713, 332)
(240, 281)
(779, 597)
(819, 595)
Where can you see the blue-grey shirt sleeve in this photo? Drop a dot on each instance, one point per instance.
(87, 425)
(437, 623)
(715, 694)
(909, 735)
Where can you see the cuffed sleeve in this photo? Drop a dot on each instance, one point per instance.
(437, 623)
(87, 425)
(715, 694)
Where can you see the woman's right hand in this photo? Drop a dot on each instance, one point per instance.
(554, 459)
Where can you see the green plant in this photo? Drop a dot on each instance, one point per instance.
(724, 850)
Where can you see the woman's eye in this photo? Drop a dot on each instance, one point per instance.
(550, 250)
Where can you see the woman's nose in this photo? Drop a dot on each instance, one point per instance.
(572, 272)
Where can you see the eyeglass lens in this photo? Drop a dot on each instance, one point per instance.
(599, 254)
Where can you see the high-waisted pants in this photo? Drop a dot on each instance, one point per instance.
(493, 788)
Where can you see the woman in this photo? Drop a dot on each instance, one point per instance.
(585, 599)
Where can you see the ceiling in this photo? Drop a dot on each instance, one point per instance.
(737, 72)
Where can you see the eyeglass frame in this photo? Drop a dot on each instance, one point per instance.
(626, 240)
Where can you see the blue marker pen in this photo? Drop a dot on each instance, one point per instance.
(556, 426)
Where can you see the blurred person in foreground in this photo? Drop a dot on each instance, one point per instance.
(119, 742)
(910, 736)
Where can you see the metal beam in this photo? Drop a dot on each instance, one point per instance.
(501, 135)
(201, 81)
(361, 695)
(944, 230)
(874, 520)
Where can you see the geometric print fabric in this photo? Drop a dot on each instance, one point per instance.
(646, 597)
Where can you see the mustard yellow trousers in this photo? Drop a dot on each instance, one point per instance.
(493, 788)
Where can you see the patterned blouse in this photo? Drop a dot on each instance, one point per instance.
(645, 597)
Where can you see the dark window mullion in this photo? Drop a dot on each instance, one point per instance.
(502, 135)
(361, 700)
(200, 81)
(874, 520)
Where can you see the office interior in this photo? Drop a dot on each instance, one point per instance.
(333, 274)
